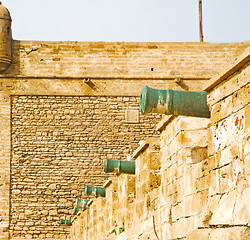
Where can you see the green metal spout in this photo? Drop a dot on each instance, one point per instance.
(119, 166)
(81, 203)
(187, 103)
(65, 222)
(96, 191)
(76, 210)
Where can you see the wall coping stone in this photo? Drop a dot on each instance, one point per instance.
(144, 145)
(228, 70)
(107, 183)
(164, 122)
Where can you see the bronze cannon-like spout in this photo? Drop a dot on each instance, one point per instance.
(186, 103)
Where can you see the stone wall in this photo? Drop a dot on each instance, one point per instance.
(5, 152)
(74, 70)
(183, 147)
(228, 141)
(120, 59)
(204, 170)
(163, 202)
(58, 146)
(226, 170)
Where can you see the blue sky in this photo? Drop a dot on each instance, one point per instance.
(129, 20)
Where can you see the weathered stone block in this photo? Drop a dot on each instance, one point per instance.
(216, 114)
(199, 234)
(227, 181)
(224, 211)
(178, 211)
(191, 224)
(236, 233)
(241, 97)
(226, 157)
(241, 212)
(154, 180)
(154, 160)
(189, 180)
(192, 123)
(195, 138)
(214, 185)
(247, 120)
(192, 205)
(227, 106)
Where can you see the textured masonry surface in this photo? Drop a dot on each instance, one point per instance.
(59, 69)
(58, 146)
(204, 174)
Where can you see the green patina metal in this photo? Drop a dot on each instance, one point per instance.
(95, 191)
(76, 210)
(187, 103)
(65, 222)
(81, 203)
(119, 166)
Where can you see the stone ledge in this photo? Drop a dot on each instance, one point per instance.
(164, 122)
(236, 233)
(107, 183)
(143, 146)
(228, 70)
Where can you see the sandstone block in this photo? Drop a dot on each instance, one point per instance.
(178, 212)
(192, 123)
(236, 233)
(214, 185)
(226, 178)
(192, 205)
(226, 157)
(195, 138)
(199, 234)
(216, 113)
(223, 213)
(210, 146)
(154, 180)
(241, 212)
(241, 98)
(154, 161)
(189, 180)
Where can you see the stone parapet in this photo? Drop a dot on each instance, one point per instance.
(228, 141)
(47, 59)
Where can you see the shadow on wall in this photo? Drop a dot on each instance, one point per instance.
(13, 69)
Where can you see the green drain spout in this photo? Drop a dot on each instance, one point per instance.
(95, 191)
(187, 103)
(119, 166)
(76, 210)
(65, 222)
(81, 204)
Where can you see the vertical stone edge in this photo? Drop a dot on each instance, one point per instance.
(5, 153)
